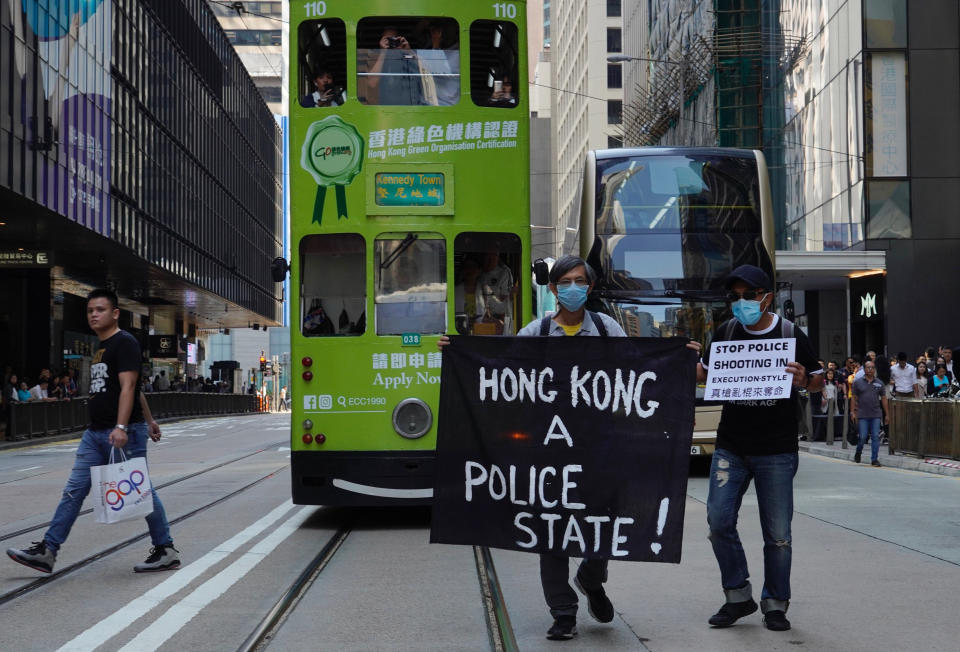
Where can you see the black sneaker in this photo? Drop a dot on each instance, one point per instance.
(856, 458)
(564, 628)
(731, 612)
(875, 463)
(38, 557)
(161, 558)
(598, 604)
(776, 621)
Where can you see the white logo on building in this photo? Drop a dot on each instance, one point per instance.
(868, 305)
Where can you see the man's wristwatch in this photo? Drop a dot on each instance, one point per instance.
(120, 426)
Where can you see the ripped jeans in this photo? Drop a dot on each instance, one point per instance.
(730, 476)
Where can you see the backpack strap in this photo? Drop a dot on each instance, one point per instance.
(786, 328)
(598, 322)
(545, 326)
(728, 331)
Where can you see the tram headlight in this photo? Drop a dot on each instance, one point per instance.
(307, 424)
(412, 418)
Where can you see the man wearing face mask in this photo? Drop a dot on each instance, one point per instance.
(571, 280)
(756, 439)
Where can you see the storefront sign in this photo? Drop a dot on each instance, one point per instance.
(25, 259)
(163, 346)
(867, 298)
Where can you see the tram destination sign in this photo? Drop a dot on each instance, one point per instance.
(409, 189)
(575, 446)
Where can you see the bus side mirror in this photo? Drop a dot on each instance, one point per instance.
(541, 272)
(278, 270)
(462, 323)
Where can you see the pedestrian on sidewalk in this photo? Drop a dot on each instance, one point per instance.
(903, 377)
(119, 419)
(756, 440)
(867, 409)
(923, 383)
(571, 280)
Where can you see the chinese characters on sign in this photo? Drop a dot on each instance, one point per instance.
(750, 370)
(409, 189)
(454, 136)
(889, 115)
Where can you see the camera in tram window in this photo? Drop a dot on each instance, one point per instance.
(394, 41)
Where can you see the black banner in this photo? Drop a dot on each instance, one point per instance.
(573, 445)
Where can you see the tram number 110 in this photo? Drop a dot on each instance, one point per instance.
(315, 9)
(505, 10)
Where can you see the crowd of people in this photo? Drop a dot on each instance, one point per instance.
(162, 383)
(47, 386)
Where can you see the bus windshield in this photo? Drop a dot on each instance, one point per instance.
(677, 223)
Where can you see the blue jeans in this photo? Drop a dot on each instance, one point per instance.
(730, 476)
(94, 450)
(869, 426)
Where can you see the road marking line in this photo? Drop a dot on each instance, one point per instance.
(29, 468)
(112, 625)
(177, 616)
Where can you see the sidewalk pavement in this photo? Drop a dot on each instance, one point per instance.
(897, 460)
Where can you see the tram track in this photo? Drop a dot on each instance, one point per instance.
(24, 589)
(169, 483)
(499, 627)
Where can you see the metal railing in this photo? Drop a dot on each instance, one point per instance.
(46, 418)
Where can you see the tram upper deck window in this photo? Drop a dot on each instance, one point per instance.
(408, 61)
(410, 279)
(493, 64)
(322, 56)
(333, 295)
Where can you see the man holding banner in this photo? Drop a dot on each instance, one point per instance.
(592, 530)
(758, 359)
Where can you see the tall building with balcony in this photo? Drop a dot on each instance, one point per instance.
(855, 105)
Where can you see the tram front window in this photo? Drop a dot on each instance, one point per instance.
(410, 272)
(333, 284)
(486, 290)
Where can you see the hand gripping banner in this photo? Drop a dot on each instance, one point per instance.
(333, 155)
(572, 445)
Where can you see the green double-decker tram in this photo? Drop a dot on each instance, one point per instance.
(409, 182)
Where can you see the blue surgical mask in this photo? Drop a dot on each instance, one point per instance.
(573, 297)
(747, 313)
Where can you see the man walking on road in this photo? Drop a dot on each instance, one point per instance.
(119, 418)
(756, 439)
(865, 410)
(571, 280)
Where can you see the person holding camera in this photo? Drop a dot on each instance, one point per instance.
(394, 74)
(326, 93)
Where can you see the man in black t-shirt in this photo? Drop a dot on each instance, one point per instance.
(756, 439)
(119, 418)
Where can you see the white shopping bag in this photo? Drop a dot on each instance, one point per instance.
(122, 489)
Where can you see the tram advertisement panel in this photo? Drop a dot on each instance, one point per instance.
(576, 446)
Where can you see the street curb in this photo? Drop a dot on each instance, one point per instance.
(896, 461)
(76, 434)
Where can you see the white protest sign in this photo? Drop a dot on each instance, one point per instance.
(750, 370)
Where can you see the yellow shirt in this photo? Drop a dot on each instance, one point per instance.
(570, 330)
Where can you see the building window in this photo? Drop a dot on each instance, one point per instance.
(888, 209)
(613, 8)
(614, 39)
(614, 142)
(254, 36)
(885, 23)
(614, 75)
(614, 111)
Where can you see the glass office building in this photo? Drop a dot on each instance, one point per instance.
(135, 153)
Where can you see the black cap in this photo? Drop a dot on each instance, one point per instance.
(752, 275)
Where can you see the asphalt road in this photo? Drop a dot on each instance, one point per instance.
(876, 564)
